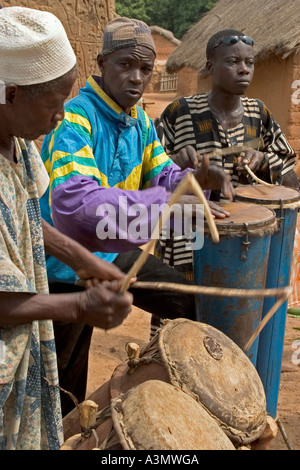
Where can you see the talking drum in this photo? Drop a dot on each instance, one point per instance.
(285, 202)
(238, 261)
(205, 364)
(152, 416)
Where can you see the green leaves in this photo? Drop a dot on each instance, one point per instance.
(173, 15)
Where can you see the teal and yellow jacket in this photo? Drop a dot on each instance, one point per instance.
(108, 173)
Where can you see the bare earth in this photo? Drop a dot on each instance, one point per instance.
(108, 348)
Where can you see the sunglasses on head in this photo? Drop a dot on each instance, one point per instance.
(234, 39)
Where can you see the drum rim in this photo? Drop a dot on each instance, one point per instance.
(233, 228)
(267, 202)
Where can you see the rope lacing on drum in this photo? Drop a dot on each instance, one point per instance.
(149, 354)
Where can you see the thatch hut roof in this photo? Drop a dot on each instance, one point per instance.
(273, 24)
(166, 34)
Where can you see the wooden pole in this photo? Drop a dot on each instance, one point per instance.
(216, 291)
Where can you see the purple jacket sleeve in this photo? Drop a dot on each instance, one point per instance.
(106, 219)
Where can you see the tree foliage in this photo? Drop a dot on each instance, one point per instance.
(174, 15)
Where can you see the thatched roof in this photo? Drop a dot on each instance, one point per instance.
(166, 34)
(273, 24)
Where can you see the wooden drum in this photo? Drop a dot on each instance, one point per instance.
(205, 364)
(153, 416)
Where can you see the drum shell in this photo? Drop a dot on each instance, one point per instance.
(153, 416)
(285, 202)
(121, 381)
(176, 355)
(224, 265)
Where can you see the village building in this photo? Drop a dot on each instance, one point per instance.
(274, 26)
(165, 43)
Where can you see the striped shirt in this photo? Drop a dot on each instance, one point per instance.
(190, 121)
(101, 157)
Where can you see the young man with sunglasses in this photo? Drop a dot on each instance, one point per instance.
(221, 118)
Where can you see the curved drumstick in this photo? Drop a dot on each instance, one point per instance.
(188, 183)
(258, 180)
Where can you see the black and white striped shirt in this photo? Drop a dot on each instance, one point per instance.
(190, 121)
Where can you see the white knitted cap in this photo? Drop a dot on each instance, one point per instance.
(34, 47)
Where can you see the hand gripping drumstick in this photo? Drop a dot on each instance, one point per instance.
(188, 183)
(254, 143)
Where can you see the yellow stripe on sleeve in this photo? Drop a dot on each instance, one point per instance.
(78, 119)
(74, 166)
(150, 163)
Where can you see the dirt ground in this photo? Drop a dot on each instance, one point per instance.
(108, 348)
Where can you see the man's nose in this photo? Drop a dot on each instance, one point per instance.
(136, 76)
(243, 68)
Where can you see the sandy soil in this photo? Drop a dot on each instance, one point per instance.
(108, 348)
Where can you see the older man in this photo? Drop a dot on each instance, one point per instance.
(106, 166)
(37, 71)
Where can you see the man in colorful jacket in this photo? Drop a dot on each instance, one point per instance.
(108, 171)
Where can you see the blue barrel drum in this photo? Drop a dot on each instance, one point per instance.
(285, 202)
(239, 261)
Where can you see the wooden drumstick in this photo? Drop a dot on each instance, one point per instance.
(254, 143)
(265, 320)
(215, 291)
(210, 220)
(258, 180)
(188, 183)
(181, 188)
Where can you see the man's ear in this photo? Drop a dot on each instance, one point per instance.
(10, 93)
(209, 66)
(100, 61)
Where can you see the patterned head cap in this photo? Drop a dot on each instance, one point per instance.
(34, 47)
(125, 32)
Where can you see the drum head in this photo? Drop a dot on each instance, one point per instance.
(259, 219)
(260, 194)
(209, 366)
(157, 416)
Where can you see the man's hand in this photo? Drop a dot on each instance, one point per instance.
(187, 157)
(103, 307)
(252, 158)
(213, 177)
(217, 211)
